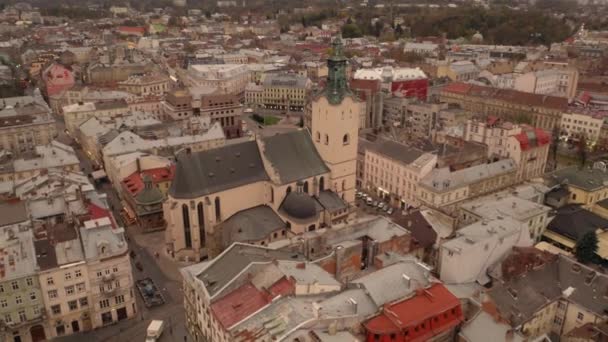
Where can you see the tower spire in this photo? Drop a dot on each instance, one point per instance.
(337, 86)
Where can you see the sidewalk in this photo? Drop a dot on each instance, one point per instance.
(155, 243)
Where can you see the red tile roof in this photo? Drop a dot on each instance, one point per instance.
(134, 183)
(282, 287)
(238, 304)
(97, 212)
(535, 137)
(412, 311)
(508, 95)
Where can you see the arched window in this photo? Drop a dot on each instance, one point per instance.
(346, 139)
(305, 188)
(218, 210)
(288, 190)
(326, 139)
(311, 227)
(271, 195)
(321, 183)
(201, 222)
(343, 185)
(318, 137)
(186, 219)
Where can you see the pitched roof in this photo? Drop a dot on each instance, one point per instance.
(207, 172)
(519, 299)
(293, 156)
(252, 224)
(508, 95)
(532, 138)
(574, 221)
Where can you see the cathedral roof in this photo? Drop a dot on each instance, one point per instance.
(292, 156)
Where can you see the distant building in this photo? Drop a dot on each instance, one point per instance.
(75, 114)
(227, 78)
(392, 171)
(540, 111)
(25, 122)
(443, 190)
(409, 82)
(145, 85)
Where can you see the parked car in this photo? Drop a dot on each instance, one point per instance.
(375, 204)
(368, 201)
(358, 194)
(390, 211)
(381, 205)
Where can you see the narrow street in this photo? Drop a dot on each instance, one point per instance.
(163, 271)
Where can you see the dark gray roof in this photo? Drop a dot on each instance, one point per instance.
(299, 205)
(586, 179)
(12, 212)
(331, 201)
(294, 156)
(574, 221)
(234, 260)
(423, 233)
(251, 225)
(396, 151)
(517, 300)
(207, 172)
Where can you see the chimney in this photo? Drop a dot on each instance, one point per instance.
(138, 163)
(408, 280)
(354, 304)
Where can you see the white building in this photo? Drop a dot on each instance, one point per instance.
(430, 49)
(75, 114)
(392, 171)
(227, 78)
(533, 215)
(467, 257)
(576, 125)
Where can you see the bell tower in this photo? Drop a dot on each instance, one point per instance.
(335, 115)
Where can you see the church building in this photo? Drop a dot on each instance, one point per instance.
(271, 188)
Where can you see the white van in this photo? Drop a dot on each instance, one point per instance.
(155, 329)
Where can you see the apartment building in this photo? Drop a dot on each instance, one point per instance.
(25, 122)
(540, 111)
(177, 105)
(392, 171)
(109, 267)
(491, 131)
(576, 125)
(146, 85)
(227, 78)
(422, 118)
(22, 310)
(287, 92)
(55, 156)
(443, 190)
(224, 109)
(63, 278)
(459, 71)
(75, 114)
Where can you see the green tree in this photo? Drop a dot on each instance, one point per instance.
(351, 31)
(582, 150)
(586, 247)
(554, 145)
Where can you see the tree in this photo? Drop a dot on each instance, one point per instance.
(554, 145)
(582, 150)
(586, 247)
(351, 31)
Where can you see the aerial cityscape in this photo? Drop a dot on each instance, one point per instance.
(304, 171)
